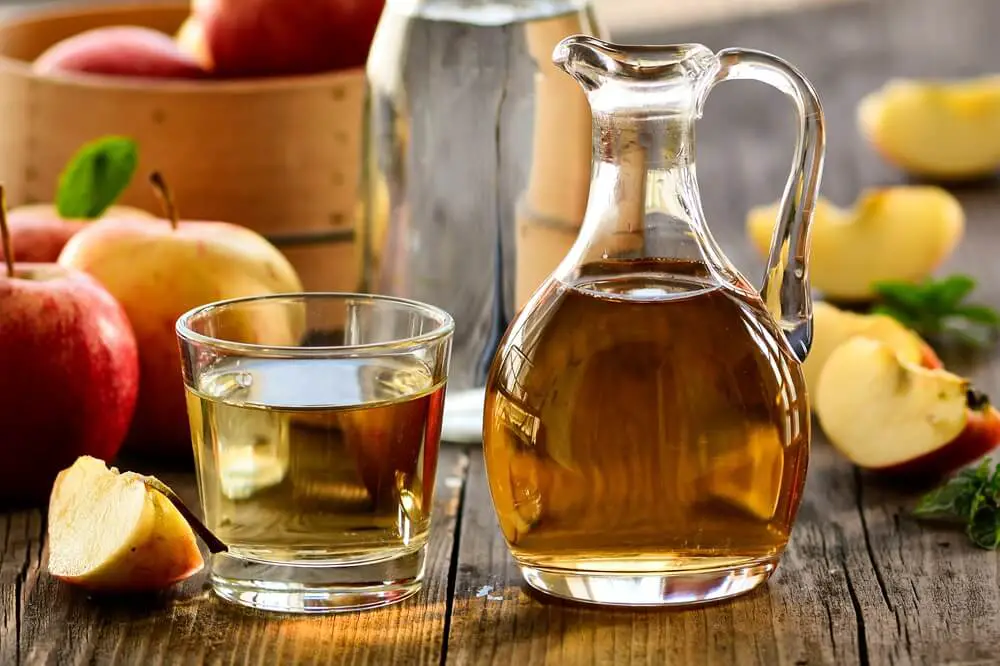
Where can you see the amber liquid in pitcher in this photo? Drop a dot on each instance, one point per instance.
(645, 418)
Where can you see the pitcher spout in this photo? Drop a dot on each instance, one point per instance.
(681, 73)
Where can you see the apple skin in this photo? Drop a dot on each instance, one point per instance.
(130, 51)
(151, 548)
(39, 234)
(980, 436)
(259, 38)
(158, 273)
(929, 358)
(69, 379)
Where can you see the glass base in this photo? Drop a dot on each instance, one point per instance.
(316, 587)
(681, 588)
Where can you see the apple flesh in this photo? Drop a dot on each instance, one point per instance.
(256, 38)
(940, 130)
(895, 233)
(69, 376)
(158, 272)
(40, 234)
(832, 326)
(110, 532)
(130, 51)
(885, 413)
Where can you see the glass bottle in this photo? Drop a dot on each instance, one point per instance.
(647, 427)
(476, 162)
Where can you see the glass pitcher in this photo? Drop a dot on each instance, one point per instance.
(646, 426)
(476, 164)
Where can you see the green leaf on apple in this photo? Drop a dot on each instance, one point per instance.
(96, 176)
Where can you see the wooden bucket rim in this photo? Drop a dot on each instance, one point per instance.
(26, 17)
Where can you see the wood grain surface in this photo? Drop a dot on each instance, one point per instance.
(45, 622)
(862, 582)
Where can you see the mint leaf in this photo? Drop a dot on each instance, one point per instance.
(936, 310)
(971, 497)
(949, 292)
(96, 176)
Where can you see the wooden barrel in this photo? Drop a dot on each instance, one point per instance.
(279, 155)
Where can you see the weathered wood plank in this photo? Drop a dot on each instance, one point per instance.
(21, 535)
(61, 625)
(805, 616)
(861, 582)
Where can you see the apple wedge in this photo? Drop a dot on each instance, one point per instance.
(832, 326)
(942, 130)
(111, 532)
(893, 233)
(883, 412)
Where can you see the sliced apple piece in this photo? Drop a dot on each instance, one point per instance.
(832, 326)
(947, 130)
(112, 532)
(893, 233)
(886, 413)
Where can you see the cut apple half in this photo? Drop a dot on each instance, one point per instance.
(884, 412)
(115, 532)
(948, 130)
(832, 326)
(898, 233)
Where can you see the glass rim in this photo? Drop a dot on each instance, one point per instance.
(445, 328)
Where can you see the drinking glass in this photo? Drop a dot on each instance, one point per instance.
(316, 423)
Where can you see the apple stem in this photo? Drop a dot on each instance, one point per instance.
(8, 246)
(213, 542)
(166, 198)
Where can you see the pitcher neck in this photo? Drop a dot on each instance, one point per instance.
(644, 200)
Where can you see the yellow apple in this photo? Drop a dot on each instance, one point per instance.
(160, 269)
(945, 130)
(111, 532)
(886, 413)
(832, 326)
(894, 233)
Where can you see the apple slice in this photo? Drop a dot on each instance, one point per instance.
(112, 532)
(886, 413)
(894, 233)
(832, 326)
(944, 130)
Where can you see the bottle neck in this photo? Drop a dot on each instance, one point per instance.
(644, 201)
(486, 12)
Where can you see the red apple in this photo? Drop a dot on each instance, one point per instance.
(120, 51)
(246, 38)
(158, 270)
(40, 234)
(886, 413)
(69, 375)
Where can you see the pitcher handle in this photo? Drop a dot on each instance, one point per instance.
(786, 282)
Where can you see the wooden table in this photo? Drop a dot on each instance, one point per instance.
(862, 582)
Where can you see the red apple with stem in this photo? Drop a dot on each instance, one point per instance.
(69, 373)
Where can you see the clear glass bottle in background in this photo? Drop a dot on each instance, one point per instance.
(476, 162)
